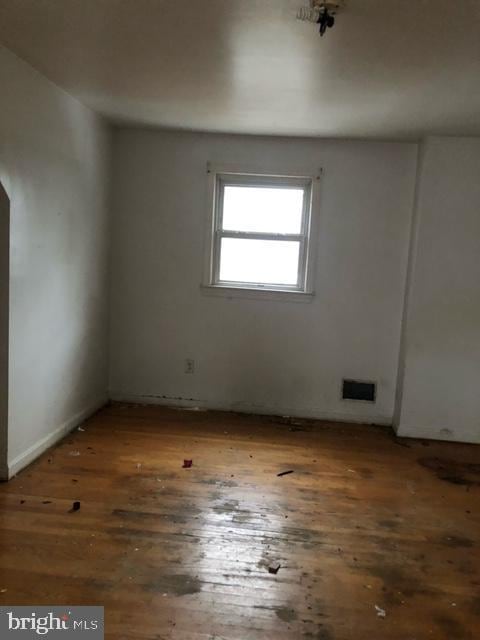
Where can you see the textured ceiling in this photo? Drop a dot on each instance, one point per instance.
(389, 68)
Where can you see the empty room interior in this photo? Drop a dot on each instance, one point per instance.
(240, 319)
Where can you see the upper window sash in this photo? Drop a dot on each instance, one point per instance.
(253, 181)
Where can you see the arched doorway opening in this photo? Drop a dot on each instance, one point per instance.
(4, 324)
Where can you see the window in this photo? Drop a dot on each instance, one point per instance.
(260, 232)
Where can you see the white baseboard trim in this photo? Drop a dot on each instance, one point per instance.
(244, 407)
(429, 433)
(26, 457)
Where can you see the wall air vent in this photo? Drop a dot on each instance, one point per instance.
(358, 390)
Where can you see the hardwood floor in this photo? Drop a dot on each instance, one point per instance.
(364, 521)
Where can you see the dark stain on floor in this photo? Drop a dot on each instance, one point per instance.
(325, 634)
(365, 473)
(223, 484)
(175, 518)
(475, 606)
(453, 629)
(398, 585)
(137, 535)
(460, 473)
(175, 584)
(457, 542)
(286, 614)
(321, 634)
(390, 525)
(229, 506)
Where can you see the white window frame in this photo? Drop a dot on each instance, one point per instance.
(220, 179)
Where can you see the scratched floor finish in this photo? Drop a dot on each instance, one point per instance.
(370, 538)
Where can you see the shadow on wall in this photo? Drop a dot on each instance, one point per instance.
(4, 321)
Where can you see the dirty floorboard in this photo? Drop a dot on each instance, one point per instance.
(227, 549)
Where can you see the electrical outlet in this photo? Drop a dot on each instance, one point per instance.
(189, 365)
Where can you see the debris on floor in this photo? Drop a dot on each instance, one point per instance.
(75, 506)
(295, 424)
(289, 420)
(138, 465)
(3, 591)
(381, 613)
(74, 453)
(47, 502)
(187, 464)
(284, 473)
(274, 570)
(80, 429)
(411, 487)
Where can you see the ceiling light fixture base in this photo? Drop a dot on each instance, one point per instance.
(321, 12)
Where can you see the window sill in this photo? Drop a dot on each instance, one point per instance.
(280, 295)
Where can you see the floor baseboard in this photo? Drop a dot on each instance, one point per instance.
(244, 407)
(35, 450)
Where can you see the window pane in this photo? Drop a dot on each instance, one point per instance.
(259, 261)
(262, 209)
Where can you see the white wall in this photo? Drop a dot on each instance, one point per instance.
(440, 370)
(53, 166)
(258, 355)
(4, 322)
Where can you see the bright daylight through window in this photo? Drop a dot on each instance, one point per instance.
(261, 232)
